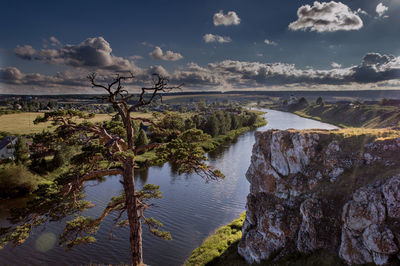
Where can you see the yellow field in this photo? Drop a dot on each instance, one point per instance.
(22, 123)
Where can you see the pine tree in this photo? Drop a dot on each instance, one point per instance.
(65, 196)
(212, 125)
(21, 150)
(142, 139)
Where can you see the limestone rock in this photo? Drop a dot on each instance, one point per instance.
(379, 239)
(352, 250)
(391, 191)
(268, 229)
(307, 239)
(306, 196)
(364, 209)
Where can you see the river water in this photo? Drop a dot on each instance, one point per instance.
(191, 209)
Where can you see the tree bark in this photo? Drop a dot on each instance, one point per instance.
(135, 226)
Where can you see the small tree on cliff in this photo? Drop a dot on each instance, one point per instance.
(105, 153)
(319, 101)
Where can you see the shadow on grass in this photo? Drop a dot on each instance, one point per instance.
(229, 257)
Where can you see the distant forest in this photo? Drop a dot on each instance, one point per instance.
(360, 94)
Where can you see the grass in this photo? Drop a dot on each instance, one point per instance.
(362, 115)
(371, 134)
(216, 246)
(22, 123)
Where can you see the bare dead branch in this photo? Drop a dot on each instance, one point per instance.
(78, 183)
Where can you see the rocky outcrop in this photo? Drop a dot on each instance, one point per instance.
(317, 190)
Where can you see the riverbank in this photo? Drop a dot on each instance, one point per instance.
(220, 249)
(150, 158)
(347, 115)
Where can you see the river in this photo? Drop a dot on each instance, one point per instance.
(191, 209)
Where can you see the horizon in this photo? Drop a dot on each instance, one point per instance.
(373, 94)
(209, 46)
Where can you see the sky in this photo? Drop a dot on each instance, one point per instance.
(49, 47)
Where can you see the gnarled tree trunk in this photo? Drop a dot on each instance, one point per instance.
(135, 227)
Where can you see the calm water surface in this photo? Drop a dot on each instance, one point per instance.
(191, 209)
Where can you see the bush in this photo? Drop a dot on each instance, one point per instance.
(16, 180)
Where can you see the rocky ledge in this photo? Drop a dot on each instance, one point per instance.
(321, 190)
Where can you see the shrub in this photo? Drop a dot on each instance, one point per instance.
(16, 180)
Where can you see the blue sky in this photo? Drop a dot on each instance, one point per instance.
(50, 46)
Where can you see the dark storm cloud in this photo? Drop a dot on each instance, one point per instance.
(92, 52)
(376, 59)
(376, 67)
(326, 17)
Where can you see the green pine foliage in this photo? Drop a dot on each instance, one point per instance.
(21, 150)
(142, 139)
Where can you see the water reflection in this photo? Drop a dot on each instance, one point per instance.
(142, 175)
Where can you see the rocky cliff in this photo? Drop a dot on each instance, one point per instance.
(322, 190)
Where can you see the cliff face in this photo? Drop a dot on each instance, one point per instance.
(316, 190)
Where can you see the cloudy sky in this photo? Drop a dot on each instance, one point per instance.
(50, 47)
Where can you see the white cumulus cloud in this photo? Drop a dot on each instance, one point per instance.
(326, 17)
(381, 9)
(158, 53)
(230, 18)
(54, 42)
(216, 38)
(361, 12)
(269, 42)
